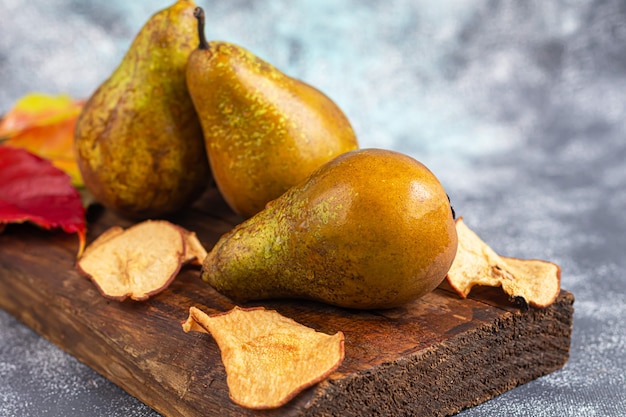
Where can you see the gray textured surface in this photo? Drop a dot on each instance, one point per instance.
(518, 107)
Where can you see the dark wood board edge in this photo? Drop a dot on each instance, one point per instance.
(462, 372)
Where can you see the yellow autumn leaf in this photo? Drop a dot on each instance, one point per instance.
(44, 125)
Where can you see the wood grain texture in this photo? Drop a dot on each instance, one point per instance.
(434, 356)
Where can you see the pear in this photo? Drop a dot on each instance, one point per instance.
(138, 139)
(264, 131)
(371, 228)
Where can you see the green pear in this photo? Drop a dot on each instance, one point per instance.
(370, 229)
(264, 131)
(138, 139)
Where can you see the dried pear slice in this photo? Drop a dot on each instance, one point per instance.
(541, 284)
(104, 236)
(194, 250)
(138, 262)
(268, 358)
(536, 281)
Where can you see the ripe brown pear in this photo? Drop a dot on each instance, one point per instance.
(370, 229)
(138, 140)
(264, 131)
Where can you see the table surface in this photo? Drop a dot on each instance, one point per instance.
(518, 107)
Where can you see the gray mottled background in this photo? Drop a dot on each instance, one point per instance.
(518, 107)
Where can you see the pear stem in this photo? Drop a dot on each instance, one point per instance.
(199, 15)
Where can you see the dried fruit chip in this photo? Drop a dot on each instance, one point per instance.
(104, 236)
(268, 358)
(125, 263)
(536, 281)
(137, 262)
(194, 251)
(540, 281)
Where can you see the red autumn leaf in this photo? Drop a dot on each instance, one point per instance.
(44, 125)
(32, 189)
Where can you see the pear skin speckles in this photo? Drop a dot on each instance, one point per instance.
(264, 131)
(356, 233)
(138, 141)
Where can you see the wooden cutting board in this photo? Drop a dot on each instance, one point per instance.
(433, 357)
